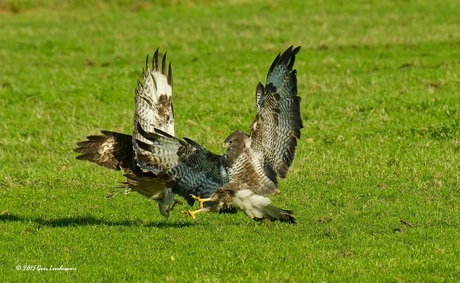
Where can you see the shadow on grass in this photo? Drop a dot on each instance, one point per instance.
(90, 221)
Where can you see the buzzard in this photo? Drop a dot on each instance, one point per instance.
(244, 177)
(153, 110)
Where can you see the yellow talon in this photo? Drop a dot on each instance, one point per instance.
(191, 214)
(200, 200)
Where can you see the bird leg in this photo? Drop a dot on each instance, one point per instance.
(193, 214)
(171, 207)
(201, 200)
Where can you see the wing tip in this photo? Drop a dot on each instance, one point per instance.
(155, 59)
(285, 58)
(166, 68)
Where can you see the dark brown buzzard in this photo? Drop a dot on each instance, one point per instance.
(247, 173)
(153, 110)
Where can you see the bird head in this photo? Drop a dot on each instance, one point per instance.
(235, 140)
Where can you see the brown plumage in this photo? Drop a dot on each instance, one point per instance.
(248, 171)
(153, 110)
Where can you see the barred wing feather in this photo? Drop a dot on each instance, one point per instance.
(277, 124)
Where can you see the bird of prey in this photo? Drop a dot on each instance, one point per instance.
(153, 110)
(248, 172)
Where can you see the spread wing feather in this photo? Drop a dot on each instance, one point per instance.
(153, 107)
(276, 127)
(152, 100)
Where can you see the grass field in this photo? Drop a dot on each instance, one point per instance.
(375, 184)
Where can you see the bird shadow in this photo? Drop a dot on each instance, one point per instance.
(89, 221)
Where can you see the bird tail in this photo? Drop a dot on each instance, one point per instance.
(274, 213)
(112, 150)
(259, 207)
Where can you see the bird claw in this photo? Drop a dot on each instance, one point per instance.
(190, 213)
(193, 214)
(200, 200)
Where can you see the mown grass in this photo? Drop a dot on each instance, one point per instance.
(374, 185)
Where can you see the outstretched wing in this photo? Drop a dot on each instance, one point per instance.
(277, 125)
(153, 107)
(112, 150)
(192, 168)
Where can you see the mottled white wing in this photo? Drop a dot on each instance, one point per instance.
(152, 101)
(153, 107)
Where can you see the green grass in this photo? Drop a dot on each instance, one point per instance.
(380, 88)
